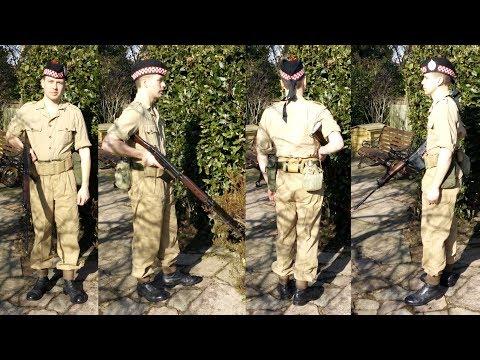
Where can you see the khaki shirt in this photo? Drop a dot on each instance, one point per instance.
(444, 127)
(293, 138)
(136, 117)
(50, 137)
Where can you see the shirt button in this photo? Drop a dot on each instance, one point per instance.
(50, 137)
(49, 147)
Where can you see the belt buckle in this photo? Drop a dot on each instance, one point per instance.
(291, 166)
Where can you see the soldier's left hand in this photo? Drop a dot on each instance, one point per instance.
(83, 196)
(433, 196)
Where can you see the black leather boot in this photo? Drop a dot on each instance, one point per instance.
(285, 291)
(180, 278)
(39, 289)
(423, 296)
(152, 293)
(302, 297)
(447, 279)
(76, 294)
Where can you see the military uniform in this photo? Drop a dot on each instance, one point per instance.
(438, 222)
(152, 201)
(298, 210)
(286, 131)
(439, 225)
(54, 196)
(153, 206)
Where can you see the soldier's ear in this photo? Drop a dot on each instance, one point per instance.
(42, 82)
(440, 80)
(145, 81)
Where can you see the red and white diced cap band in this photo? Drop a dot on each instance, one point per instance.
(446, 70)
(54, 74)
(432, 66)
(148, 70)
(295, 76)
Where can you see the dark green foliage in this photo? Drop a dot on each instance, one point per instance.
(203, 107)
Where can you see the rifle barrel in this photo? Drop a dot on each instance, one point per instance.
(365, 198)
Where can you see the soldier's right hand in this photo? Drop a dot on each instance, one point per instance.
(149, 160)
(271, 195)
(32, 154)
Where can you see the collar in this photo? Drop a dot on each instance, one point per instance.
(40, 104)
(440, 94)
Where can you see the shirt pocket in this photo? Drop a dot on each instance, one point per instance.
(34, 131)
(66, 132)
(151, 133)
(33, 127)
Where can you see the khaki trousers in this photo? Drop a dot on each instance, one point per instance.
(154, 224)
(438, 228)
(54, 198)
(298, 225)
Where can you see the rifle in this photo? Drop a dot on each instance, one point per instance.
(317, 135)
(413, 161)
(26, 191)
(173, 173)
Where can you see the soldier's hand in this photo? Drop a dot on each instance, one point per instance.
(321, 157)
(83, 195)
(33, 156)
(433, 196)
(149, 160)
(271, 195)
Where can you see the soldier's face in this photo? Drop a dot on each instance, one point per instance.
(430, 82)
(53, 88)
(156, 85)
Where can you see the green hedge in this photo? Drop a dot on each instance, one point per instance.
(328, 82)
(466, 60)
(203, 107)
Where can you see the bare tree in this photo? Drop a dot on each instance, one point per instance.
(381, 94)
(261, 81)
(114, 96)
(115, 87)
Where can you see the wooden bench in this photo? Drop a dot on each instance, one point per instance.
(392, 144)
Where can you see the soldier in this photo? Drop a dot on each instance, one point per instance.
(440, 184)
(53, 127)
(153, 206)
(286, 131)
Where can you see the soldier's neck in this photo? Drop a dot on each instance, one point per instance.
(440, 92)
(50, 105)
(299, 94)
(143, 98)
